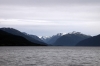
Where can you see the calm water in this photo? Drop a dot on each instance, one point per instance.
(49, 56)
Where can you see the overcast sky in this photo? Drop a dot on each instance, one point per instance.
(48, 17)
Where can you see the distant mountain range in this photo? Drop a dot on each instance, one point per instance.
(50, 40)
(60, 39)
(70, 39)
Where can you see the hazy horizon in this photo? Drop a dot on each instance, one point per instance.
(49, 17)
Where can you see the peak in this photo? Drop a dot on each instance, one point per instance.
(45, 37)
(6, 28)
(60, 34)
(74, 32)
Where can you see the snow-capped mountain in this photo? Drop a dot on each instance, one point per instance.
(51, 39)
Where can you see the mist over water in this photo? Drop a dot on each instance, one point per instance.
(49, 56)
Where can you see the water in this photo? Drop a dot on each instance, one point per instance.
(49, 56)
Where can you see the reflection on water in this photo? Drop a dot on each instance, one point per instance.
(49, 56)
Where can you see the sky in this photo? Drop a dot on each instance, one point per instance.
(48, 17)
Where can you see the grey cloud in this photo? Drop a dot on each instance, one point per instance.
(51, 13)
(47, 2)
(62, 11)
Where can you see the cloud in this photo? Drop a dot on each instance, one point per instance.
(44, 10)
(24, 22)
(46, 2)
(51, 16)
(51, 13)
(49, 28)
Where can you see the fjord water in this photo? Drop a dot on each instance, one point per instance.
(49, 56)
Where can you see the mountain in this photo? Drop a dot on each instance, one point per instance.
(7, 39)
(45, 38)
(18, 33)
(33, 36)
(93, 41)
(50, 40)
(70, 39)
